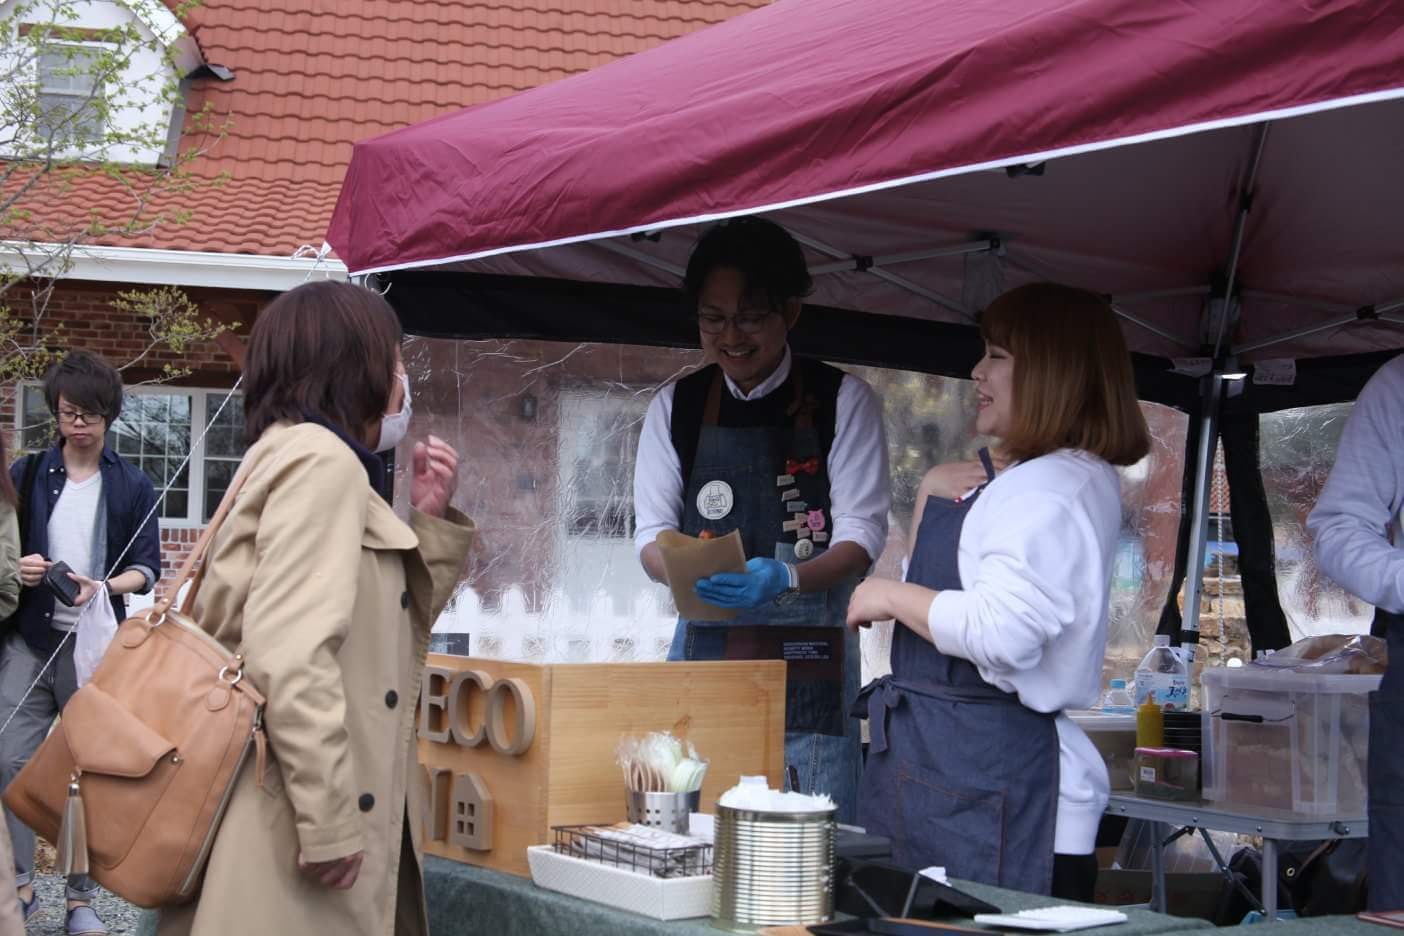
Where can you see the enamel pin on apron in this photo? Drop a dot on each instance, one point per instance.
(790, 495)
(816, 520)
(784, 480)
(715, 500)
(804, 549)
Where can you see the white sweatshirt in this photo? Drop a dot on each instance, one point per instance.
(1357, 526)
(1036, 556)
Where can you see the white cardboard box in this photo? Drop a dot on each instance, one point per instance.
(659, 898)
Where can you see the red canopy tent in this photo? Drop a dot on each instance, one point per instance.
(1228, 172)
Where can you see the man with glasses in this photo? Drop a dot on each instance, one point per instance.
(791, 453)
(84, 505)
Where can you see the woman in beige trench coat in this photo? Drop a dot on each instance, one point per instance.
(331, 598)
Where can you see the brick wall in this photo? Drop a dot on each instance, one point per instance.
(83, 314)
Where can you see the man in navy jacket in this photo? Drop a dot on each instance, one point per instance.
(83, 504)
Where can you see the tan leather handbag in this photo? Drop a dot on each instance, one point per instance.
(145, 757)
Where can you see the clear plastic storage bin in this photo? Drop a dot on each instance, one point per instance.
(1114, 734)
(1285, 740)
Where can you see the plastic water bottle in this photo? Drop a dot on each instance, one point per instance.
(1117, 700)
(1163, 678)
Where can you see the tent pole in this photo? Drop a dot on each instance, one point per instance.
(1199, 525)
(1301, 333)
(866, 263)
(639, 255)
(1154, 330)
(892, 278)
(1202, 290)
(1240, 228)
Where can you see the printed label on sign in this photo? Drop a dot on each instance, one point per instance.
(815, 650)
(1281, 373)
(1148, 774)
(715, 500)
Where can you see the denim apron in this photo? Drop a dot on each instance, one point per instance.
(808, 630)
(1385, 848)
(959, 773)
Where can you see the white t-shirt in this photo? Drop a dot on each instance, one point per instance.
(72, 526)
(1036, 556)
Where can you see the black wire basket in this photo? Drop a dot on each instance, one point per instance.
(596, 843)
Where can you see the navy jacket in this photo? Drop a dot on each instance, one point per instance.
(129, 498)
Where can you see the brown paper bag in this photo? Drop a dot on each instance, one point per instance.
(687, 559)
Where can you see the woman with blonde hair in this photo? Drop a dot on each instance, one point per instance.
(1002, 618)
(330, 597)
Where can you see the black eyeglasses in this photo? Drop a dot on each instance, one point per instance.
(748, 322)
(75, 417)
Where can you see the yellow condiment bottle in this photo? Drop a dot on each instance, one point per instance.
(1150, 725)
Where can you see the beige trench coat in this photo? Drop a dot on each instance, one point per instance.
(331, 598)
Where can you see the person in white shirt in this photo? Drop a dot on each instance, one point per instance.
(1358, 539)
(1002, 618)
(790, 453)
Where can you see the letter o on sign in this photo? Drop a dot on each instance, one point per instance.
(518, 738)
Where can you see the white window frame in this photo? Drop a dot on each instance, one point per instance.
(77, 141)
(201, 410)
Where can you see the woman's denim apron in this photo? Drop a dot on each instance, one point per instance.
(821, 742)
(959, 774)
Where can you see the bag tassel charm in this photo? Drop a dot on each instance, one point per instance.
(73, 833)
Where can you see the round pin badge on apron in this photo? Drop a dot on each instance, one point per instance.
(804, 549)
(715, 500)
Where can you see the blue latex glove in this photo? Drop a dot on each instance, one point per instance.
(763, 581)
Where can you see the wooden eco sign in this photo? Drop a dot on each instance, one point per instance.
(446, 712)
(511, 750)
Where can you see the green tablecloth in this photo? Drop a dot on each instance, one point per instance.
(1316, 926)
(464, 899)
(468, 900)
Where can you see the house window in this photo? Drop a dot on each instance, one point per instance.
(156, 430)
(599, 438)
(70, 94)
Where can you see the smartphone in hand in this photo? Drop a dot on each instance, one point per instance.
(57, 581)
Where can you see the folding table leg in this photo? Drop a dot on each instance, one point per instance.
(1270, 879)
(1159, 831)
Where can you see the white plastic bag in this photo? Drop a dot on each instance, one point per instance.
(96, 627)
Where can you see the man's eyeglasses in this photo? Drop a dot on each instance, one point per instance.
(75, 417)
(748, 322)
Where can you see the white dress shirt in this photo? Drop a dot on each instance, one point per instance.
(860, 490)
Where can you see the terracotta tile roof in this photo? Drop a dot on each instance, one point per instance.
(311, 81)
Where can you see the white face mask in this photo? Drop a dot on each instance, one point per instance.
(395, 426)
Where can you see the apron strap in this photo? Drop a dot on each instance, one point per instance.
(801, 408)
(988, 462)
(711, 410)
(874, 701)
